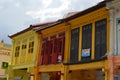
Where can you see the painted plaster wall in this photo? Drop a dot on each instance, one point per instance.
(5, 53)
(114, 10)
(26, 58)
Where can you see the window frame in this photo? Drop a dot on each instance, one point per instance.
(74, 45)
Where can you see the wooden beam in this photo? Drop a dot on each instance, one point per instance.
(51, 68)
(92, 65)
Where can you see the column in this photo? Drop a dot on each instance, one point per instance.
(10, 73)
(67, 44)
(37, 75)
(64, 73)
(111, 67)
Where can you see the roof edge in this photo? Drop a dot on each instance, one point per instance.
(88, 10)
(18, 33)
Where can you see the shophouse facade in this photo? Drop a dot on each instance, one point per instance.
(76, 47)
(24, 51)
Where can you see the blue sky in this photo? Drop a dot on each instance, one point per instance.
(16, 15)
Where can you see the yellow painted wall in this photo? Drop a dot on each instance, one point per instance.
(92, 17)
(84, 75)
(89, 18)
(24, 57)
(21, 73)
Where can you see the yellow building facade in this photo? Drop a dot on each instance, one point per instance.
(76, 47)
(23, 55)
(24, 50)
(5, 52)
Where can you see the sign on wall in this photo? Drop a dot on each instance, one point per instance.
(85, 52)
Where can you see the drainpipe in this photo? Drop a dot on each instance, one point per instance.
(117, 35)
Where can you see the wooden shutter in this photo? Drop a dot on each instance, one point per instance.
(86, 42)
(42, 54)
(74, 45)
(54, 52)
(47, 53)
(100, 38)
(61, 42)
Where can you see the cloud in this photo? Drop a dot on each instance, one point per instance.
(48, 12)
(65, 6)
(46, 3)
(1, 7)
(17, 4)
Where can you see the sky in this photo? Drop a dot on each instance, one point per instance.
(16, 15)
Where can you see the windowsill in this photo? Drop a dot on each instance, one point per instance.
(84, 62)
(50, 64)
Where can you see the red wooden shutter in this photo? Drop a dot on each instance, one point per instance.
(54, 53)
(50, 51)
(42, 54)
(61, 42)
(45, 52)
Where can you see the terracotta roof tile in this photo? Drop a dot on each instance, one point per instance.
(41, 27)
(33, 26)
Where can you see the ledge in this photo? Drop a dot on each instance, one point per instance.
(84, 62)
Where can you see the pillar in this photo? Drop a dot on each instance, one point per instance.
(37, 75)
(64, 73)
(111, 67)
(10, 73)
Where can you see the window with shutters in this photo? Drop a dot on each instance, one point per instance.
(86, 42)
(23, 51)
(47, 53)
(43, 50)
(61, 45)
(31, 47)
(24, 47)
(100, 38)
(74, 45)
(54, 51)
(17, 51)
